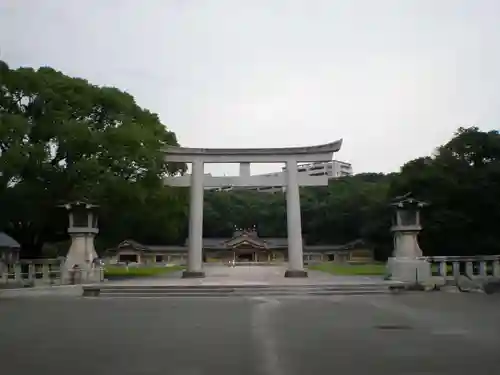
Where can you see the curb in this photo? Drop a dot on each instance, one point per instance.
(59, 290)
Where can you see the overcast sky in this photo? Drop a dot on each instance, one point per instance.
(393, 78)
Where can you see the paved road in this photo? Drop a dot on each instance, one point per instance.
(433, 333)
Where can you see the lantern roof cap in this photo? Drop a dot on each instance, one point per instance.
(407, 201)
(78, 203)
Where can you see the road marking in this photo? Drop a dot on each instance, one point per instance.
(263, 332)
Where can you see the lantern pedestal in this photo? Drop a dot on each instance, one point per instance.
(78, 266)
(406, 241)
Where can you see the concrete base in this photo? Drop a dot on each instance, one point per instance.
(295, 273)
(82, 276)
(62, 291)
(492, 286)
(409, 270)
(193, 274)
(90, 291)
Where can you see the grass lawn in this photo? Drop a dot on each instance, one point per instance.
(377, 269)
(124, 272)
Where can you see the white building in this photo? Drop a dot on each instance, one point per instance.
(332, 169)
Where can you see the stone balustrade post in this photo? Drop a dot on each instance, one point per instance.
(18, 274)
(4, 273)
(31, 272)
(482, 268)
(443, 270)
(46, 273)
(496, 268)
(59, 271)
(94, 274)
(469, 269)
(456, 269)
(86, 275)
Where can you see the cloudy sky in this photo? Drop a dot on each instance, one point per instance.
(393, 78)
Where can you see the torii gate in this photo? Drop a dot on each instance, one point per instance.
(290, 156)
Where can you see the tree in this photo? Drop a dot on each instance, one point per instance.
(348, 209)
(240, 208)
(462, 184)
(61, 139)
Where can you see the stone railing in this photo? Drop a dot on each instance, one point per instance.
(38, 272)
(451, 267)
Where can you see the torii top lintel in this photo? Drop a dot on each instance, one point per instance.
(322, 152)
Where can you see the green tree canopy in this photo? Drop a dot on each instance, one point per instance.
(462, 184)
(61, 139)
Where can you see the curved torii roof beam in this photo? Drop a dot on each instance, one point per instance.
(322, 152)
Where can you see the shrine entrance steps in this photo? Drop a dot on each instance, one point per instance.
(252, 290)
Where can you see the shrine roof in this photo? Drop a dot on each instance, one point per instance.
(7, 242)
(227, 243)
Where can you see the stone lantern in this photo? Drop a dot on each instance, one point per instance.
(406, 263)
(82, 228)
(406, 226)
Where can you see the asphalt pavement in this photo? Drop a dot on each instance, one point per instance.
(427, 333)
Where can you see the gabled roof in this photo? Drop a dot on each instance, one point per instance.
(7, 242)
(133, 244)
(221, 243)
(244, 238)
(141, 247)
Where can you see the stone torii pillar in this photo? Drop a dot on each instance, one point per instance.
(291, 180)
(294, 224)
(195, 244)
